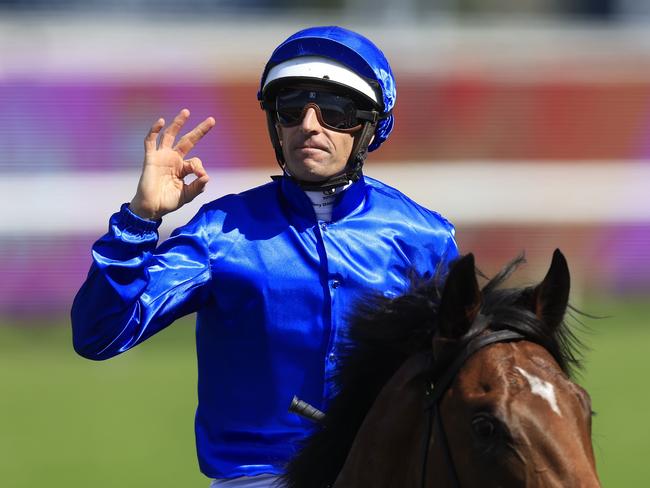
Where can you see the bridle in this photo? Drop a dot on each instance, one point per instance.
(435, 392)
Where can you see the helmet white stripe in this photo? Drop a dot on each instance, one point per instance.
(320, 68)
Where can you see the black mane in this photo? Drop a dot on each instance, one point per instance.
(383, 334)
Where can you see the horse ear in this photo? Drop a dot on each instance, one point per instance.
(461, 299)
(551, 296)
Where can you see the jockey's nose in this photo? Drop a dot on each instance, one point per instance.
(310, 122)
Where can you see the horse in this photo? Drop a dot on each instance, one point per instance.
(453, 385)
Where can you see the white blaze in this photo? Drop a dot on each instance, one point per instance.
(541, 388)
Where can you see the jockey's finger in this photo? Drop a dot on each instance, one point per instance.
(152, 135)
(189, 140)
(195, 188)
(170, 133)
(193, 166)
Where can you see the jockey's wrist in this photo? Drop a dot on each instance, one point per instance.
(138, 210)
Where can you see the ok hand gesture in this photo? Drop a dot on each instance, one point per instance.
(161, 188)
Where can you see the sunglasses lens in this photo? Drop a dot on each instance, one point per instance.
(289, 115)
(336, 111)
(340, 115)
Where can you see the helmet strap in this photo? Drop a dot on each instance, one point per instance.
(275, 139)
(359, 151)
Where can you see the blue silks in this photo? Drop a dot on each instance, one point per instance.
(272, 287)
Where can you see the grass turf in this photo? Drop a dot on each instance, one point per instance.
(69, 422)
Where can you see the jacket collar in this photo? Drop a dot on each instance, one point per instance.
(300, 204)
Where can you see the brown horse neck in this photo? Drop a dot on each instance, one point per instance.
(391, 430)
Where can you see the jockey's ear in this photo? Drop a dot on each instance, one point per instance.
(551, 297)
(461, 299)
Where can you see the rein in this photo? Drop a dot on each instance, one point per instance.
(435, 392)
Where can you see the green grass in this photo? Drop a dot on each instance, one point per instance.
(616, 376)
(69, 422)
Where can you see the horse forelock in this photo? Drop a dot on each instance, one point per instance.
(507, 311)
(510, 308)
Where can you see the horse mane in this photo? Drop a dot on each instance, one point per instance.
(383, 333)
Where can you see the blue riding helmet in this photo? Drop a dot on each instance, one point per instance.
(350, 50)
(338, 59)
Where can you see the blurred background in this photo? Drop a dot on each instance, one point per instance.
(524, 122)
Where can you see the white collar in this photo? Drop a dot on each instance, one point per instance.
(323, 201)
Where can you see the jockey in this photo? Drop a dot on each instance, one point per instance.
(272, 272)
(347, 72)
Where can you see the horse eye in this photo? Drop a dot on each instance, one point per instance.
(483, 426)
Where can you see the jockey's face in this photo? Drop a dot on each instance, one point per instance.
(313, 152)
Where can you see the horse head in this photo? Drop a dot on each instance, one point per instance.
(512, 415)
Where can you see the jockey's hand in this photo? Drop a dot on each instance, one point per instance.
(162, 188)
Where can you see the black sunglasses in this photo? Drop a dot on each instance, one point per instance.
(334, 111)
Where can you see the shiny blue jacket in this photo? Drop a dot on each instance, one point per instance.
(272, 287)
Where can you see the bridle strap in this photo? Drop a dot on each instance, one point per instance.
(479, 342)
(426, 439)
(434, 397)
(442, 435)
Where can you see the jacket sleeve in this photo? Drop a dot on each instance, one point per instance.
(134, 289)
